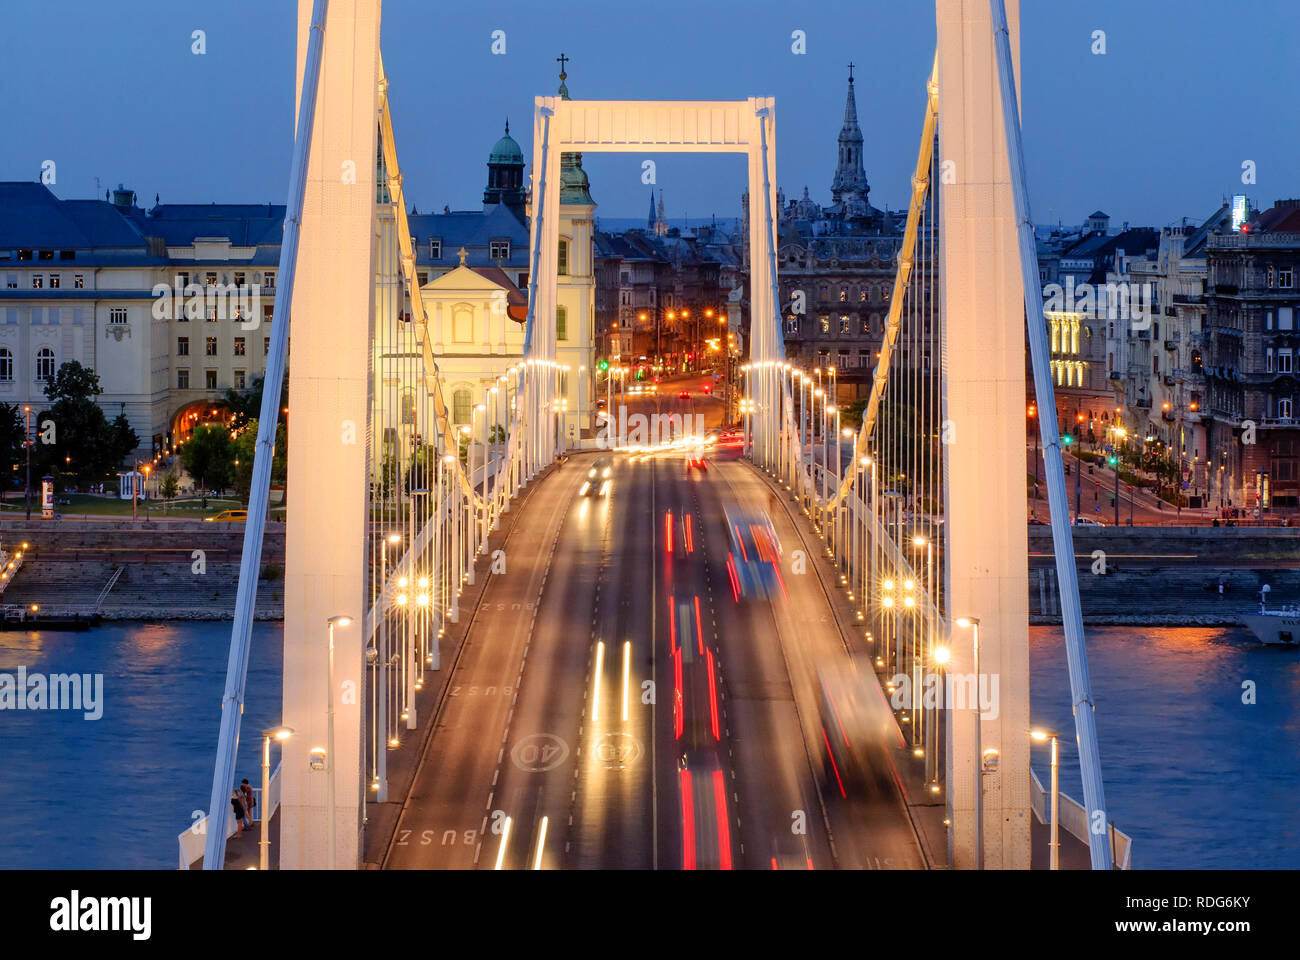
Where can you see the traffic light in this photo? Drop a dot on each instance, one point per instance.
(1112, 460)
(1067, 440)
(604, 365)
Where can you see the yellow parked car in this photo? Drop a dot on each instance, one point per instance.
(228, 516)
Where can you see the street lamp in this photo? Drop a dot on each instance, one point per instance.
(1055, 845)
(264, 844)
(973, 624)
(336, 621)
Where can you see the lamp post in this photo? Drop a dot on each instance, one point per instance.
(381, 697)
(1055, 844)
(264, 843)
(330, 813)
(928, 717)
(973, 624)
(28, 443)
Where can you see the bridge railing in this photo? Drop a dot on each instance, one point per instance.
(1074, 821)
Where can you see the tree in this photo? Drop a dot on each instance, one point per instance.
(12, 426)
(169, 487)
(82, 444)
(125, 439)
(209, 456)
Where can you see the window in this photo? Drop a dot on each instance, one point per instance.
(1285, 318)
(1268, 360)
(824, 292)
(866, 326)
(435, 249)
(45, 364)
(460, 406)
(55, 280)
(268, 279)
(792, 326)
(266, 346)
(844, 324)
(422, 277)
(209, 279)
(210, 379)
(79, 280)
(563, 268)
(1284, 361)
(499, 250)
(47, 254)
(1284, 408)
(240, 380)
(6, 365)
(24, 254)
(862, 295)
(182, 379)
(184, 278)
(1270, 277)
(1284, 278)
(117, 316)
(182, 346)
(38, 281)
(561, 323)
(11, 281)
(239, 278)
(210, 347)
(268, 311)
(239, 347)
(67, 254)
(212, 314)
(826, 324)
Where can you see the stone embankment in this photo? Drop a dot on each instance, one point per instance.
(158, 569)
(1167, 576)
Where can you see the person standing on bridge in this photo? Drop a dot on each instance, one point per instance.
(250, 801)
(237, 804)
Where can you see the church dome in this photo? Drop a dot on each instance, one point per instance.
(506, 150)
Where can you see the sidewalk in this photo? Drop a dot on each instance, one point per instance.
(381, 818)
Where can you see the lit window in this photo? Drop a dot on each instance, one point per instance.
(499, 250)
(239, 347)
(78, 281)
(55, 280)
(210, 347)
(561, 323)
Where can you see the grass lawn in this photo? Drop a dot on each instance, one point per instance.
(84, 505)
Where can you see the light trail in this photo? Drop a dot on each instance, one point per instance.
(627, 666)
(595, 691)
(541, 844)
(505, 839)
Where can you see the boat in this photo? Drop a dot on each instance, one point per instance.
(1280, 626)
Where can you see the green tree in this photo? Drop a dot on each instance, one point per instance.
(125, 439)
(169, 487)
(209, 456)
(84, 446)
(12, 426)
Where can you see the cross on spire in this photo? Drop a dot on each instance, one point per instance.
(562, 60)
(850, 72)
(462, 253)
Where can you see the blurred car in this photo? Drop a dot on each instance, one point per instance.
(754, 559)
(855, 730)
(1086, 522)
(228, 516)
(708, 388)
(597, 480)
(684, 395)
(695, 461)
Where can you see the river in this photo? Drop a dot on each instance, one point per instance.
(1199, 778)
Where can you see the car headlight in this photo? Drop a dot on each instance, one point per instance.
(591, 473)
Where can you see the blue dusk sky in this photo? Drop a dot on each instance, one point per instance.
(1155, 129)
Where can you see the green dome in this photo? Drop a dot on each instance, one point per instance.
(506, 150)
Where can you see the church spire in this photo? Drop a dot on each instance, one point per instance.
(850, 184)
(650, 220)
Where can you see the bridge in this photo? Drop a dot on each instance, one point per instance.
(786, 643)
